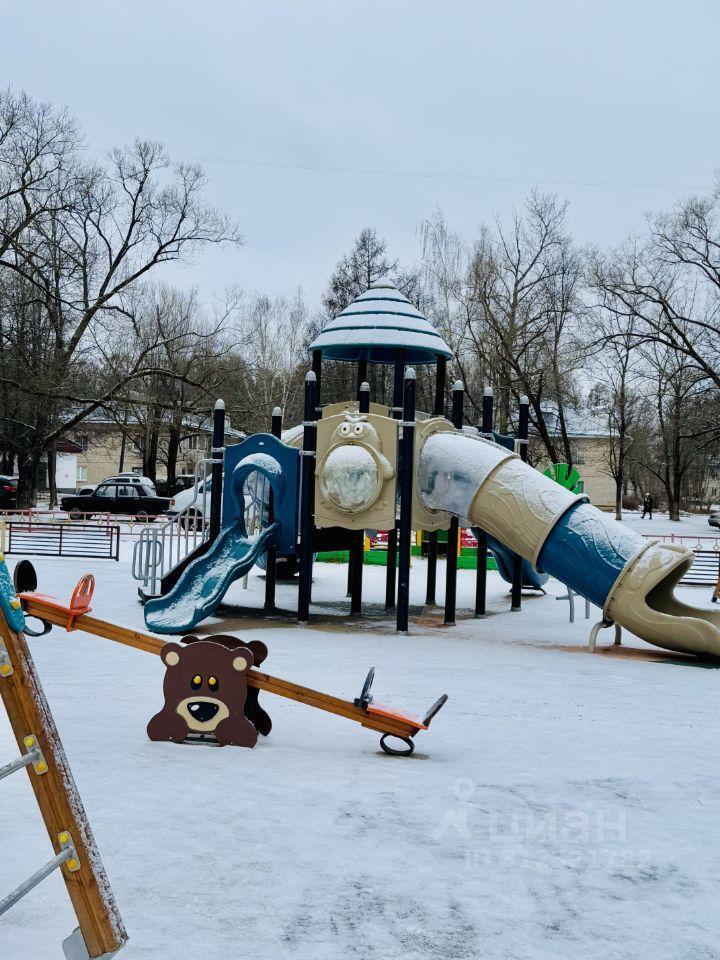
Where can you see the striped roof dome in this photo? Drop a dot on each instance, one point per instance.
(381, 326)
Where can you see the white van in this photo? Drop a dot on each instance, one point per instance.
(199, 514)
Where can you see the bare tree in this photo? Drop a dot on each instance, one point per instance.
(525, 303)
(160, 410)
(117, 224)
(676, 392)
(615, 366)
(671, 282)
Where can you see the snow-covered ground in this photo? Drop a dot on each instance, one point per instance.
(561, 805)
(690, 525)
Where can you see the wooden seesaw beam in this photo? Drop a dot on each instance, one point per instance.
(383, 720)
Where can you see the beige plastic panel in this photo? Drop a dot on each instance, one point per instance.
(381, 515)
(423, 517)
(643, 601)
(519, 506)
(352, 406)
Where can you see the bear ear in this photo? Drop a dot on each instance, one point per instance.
(242, 659)
(170, 654)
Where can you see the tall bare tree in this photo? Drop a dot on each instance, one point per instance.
(116, 225)
(525, 304)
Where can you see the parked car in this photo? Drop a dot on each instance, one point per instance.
(714, 520)
(116, 496)
(8, 492)
(199, 513)
(135, 478)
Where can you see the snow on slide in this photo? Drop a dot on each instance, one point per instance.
(560, 533)
(205, 582)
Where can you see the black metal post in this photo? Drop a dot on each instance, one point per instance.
(432, 551)
(357, 548)
(218, 457)
(440, 378)
(522, 435)
(271, 562)
(364, 397)
(454, 532)
(482, 547)
(391, 574)
(317, 370)
(307, 497)
(407, 457)
(362, 369)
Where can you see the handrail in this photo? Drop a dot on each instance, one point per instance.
(162, 546)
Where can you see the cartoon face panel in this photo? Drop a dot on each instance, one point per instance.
(205, 689)
(354, 469)
(357, 429)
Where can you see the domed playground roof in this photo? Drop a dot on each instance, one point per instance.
(381, 326)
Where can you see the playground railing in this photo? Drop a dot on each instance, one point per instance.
(161, 546)
(61, 540)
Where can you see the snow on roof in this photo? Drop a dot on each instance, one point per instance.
(377, 326)
(201, 424)
(579, 423)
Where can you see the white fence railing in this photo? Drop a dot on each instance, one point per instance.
(162, 545)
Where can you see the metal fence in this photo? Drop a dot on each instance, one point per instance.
(161, 546)
(63, 540)
(130, 524)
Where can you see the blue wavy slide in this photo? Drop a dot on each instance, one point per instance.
(206, 580)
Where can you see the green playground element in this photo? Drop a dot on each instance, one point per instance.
(566, 476)
(371, 558)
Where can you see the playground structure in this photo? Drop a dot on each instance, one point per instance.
(358, 466)
(100, 932)
(330, 481)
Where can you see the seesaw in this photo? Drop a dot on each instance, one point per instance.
(393, 724)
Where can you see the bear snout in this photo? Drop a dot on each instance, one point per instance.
(202, 710)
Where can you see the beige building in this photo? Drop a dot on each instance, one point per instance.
(107, 448)
(591, 447)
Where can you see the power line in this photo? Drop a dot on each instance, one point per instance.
(429, 175)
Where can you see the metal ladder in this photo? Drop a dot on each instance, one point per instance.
(100, 932)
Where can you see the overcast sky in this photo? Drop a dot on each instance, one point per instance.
(611, 104)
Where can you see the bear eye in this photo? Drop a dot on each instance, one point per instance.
(358, 429)
(196, 682)
(213, 683)
(345, 429)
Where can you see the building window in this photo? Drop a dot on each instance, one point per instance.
(82, 473)
(578, 454)
(199, 442)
